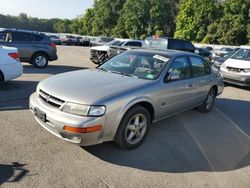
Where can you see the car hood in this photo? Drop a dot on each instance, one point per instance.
(89, 86)
(236, 63)
(100, 48)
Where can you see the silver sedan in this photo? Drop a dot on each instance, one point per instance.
(119, 100)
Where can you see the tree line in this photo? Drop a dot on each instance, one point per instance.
(204, 21)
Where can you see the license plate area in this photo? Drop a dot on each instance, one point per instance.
(40, 114)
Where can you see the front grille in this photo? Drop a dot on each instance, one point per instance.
(233, 69)
(51, 100)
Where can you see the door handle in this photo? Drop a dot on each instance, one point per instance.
(189, 86)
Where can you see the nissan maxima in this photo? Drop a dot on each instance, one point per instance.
(121, 99)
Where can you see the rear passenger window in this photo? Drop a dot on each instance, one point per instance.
(139, 44)
(2, 36)
(199, 67)
(22, 37)
(36, 38)
(175, 44)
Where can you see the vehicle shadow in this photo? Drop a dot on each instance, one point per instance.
(14, 95)
(188, 142)
(236, 86)
(12, 173)
(50, 69)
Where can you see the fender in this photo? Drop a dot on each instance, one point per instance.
(130, 104)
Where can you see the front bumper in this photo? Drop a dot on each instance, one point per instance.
(235, 78)
(56, 120)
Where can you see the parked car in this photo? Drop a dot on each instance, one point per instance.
(236, 69)
(98, 41)
(205, 53)
(34, 48)
(99, 54)
(217, 62)
(85, 41)
(223, 51)
(68, 39)
(161, 43)
(121, 98)
(10, 65)
(55, 39)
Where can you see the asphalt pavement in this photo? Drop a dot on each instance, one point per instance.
(187, 150)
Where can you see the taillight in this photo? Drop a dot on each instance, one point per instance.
(53, 45)
(15, 56)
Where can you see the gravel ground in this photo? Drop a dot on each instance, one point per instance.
(187, 150)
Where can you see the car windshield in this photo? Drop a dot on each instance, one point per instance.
(115, 43)
(242, 54)
(141, 65)
(226, 49)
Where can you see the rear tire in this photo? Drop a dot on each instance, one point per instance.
(40, 60)
(133, 128)
(208, 104)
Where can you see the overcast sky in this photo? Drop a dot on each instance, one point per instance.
(45, 8)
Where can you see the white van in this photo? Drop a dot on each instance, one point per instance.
(236, 70)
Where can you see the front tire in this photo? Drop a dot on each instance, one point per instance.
(40, 60)
(208, 104)
(133, 128)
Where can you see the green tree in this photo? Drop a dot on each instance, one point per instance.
(106, 13)
(232, 29)
(162, 17)
(194, 18)
(86, 22)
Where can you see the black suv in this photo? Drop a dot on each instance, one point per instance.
(169, 43)
(33, 47)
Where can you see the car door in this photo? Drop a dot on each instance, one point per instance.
(22, 41)
(177, 88)
(202, 78)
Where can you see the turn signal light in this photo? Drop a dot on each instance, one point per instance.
(83, 130)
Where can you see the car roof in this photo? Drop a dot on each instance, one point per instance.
(22, 31)
(245, 47)
(165, 52)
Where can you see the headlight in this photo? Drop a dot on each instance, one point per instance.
(77, 109)
(97, 110)
(83, 110)
(223, 66)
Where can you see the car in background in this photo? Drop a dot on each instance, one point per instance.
(160, 43)
(218, 61)
(223, 51)
(205, 53)
(55, 39)
(85, 41)
(68, 39)
(98, 41)
(119, 100)
(10, 65)
(33, 47)
(99, 54)
(236, 69)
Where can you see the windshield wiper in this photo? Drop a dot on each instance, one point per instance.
(122, 73)
(100, 68)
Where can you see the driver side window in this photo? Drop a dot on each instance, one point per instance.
(179, 70)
